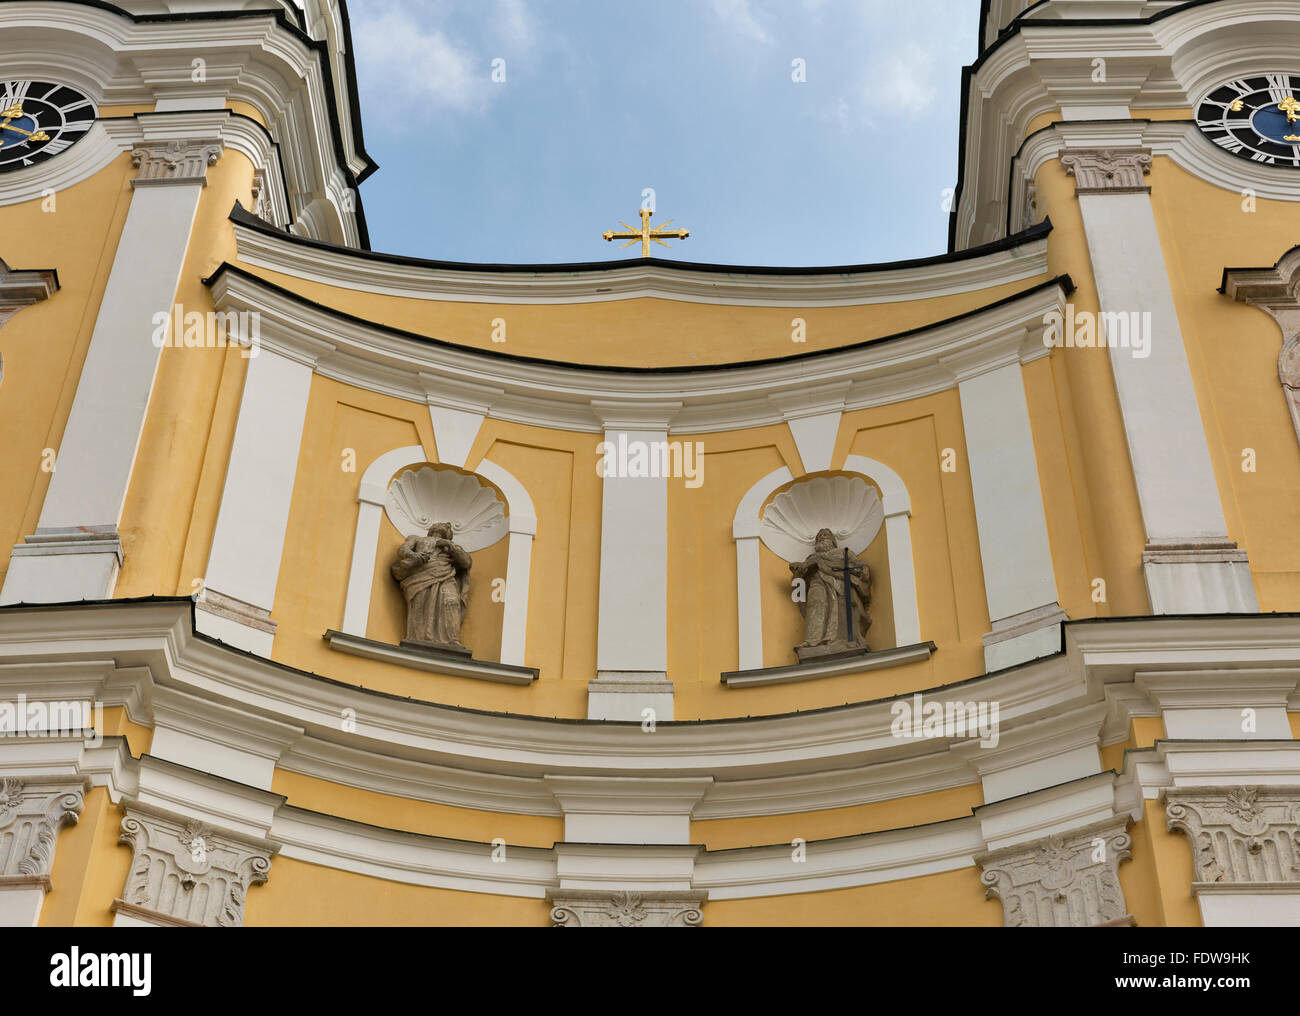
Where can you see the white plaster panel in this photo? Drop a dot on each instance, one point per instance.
(1014, 549)
(20, 907)
(633, 626)
(249, 539)
(99, 445)
(1250, 909)
(1162, 421)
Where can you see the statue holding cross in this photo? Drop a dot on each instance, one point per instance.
(838, 593)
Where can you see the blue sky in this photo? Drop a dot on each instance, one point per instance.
(693, 98)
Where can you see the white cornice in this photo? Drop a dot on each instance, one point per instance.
(1167, 63)
(561, 396)
(356, 272)
(497, 762)
(757, 766)
(117, 61)
(107, 139)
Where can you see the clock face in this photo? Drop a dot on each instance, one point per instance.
(38, 120)
(1256, 118)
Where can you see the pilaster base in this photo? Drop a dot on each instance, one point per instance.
(1024, 637)
(64, 565)
(625, 695)
(235, 623)
(1198, 577)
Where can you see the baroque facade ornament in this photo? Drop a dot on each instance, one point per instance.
(186, 872)
(837, 594)
(31, 815)
(1109, 170)
(579, 908)
(420, 497)
(846, 505)
(1239, 835)
(433, 572)
(1276, 291)
(173, 162)
(1068, 880)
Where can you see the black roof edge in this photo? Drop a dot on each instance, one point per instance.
(10, 608)
(244, 217)
(322, 50)
(1018, 23)
(1064, 282)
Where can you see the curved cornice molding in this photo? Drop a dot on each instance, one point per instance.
(1043, 64)
(1010, 260)
(824, 758)
(266, 60)
(560, 395)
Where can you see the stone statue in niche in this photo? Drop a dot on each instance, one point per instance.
(434, 576)
(837, 595)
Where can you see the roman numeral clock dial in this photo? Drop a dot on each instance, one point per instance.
(38, 120)
(1255, 118)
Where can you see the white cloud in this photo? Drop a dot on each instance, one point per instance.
(739, 15)
(515, 22)
(903, 82)
(422, 69)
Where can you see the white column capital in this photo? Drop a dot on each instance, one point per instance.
(1109, 170)
(174, 161)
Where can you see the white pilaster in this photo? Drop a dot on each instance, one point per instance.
(244, 564)
(75, 552)
(1019, 580)
(1191, 566)
(632, 633)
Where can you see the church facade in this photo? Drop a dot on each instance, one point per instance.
(341, 588)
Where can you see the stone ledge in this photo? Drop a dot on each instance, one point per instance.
(147, 916)
(434, 662)
(8, 882)
(856, 664)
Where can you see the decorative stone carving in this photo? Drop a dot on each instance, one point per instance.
(837, 593)
(1276, 291)
(184, 871)
(1109, 170)
(1239, 834)
(576, 908)
(434, 575)
(174, 162)
(31, 814)
(419, 498)
(1069, 880)
(846, 505)
(1029, 212)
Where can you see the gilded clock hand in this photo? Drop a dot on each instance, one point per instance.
(1291, 107)
(15, 112)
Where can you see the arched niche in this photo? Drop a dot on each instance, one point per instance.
(393, 486)
(887, 508)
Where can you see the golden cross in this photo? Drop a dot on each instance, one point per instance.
(15, 112)
(1291, 107)
(645, 234)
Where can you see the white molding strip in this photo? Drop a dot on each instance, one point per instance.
(566, 396)
(730, 287)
